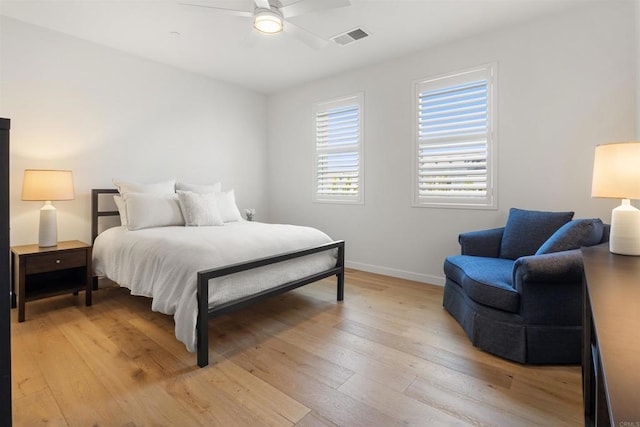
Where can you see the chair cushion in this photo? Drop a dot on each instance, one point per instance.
(573, 235)
(526, 231)
(485, 280)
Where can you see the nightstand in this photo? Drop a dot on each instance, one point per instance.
(44, 272)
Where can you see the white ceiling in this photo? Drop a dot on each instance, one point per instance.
(226, 48)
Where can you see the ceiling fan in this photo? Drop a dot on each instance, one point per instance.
(271, 17)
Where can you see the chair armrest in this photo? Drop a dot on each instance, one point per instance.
(550, 288)
(556, 267)
(485, 243)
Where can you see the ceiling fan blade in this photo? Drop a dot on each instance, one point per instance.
(236, 12)
(305, 36)
(307, 6)
(262, 4)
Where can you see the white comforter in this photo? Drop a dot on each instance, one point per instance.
(162, 263)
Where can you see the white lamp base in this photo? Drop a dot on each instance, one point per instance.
(625, 230)
(48, 230)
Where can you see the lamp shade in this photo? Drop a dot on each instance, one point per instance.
(616, 171)
(47, 185)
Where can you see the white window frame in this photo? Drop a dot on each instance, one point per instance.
(486, 72)
(358, 147)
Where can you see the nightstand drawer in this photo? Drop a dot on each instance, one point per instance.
(55, 261)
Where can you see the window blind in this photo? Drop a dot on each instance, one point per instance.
(338, 150)
(453, 140)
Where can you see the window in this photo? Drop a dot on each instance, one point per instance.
(455, 161)
(338, 154)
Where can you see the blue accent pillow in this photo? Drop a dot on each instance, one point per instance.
(526, 231)
(573, 235)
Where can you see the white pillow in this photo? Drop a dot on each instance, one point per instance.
(199, 209)
(122, 209)
(146, 210)
(199, 188)
(227, 206)
(163, 187)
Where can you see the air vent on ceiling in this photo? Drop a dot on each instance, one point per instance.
(350, 36)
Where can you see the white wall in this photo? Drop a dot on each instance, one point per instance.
(565, 84)
(105, 114)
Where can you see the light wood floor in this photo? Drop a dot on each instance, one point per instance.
(388, 355)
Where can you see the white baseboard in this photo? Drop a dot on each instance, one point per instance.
(402, 274)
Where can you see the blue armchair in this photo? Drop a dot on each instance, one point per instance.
(517, 290)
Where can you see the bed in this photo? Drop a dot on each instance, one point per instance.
(199, 273)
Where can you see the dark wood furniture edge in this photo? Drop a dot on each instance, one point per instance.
(5, 277)
(204, 313)
(610, 339)
(587, 356)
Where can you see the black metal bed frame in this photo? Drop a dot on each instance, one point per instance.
(204, 312)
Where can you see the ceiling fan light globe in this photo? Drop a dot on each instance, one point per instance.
(268, 22)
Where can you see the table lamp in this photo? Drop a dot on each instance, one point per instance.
(47, 185)
(616, 174)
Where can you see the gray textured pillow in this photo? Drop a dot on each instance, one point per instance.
(573, 235)
(199, 209)
(526, 231)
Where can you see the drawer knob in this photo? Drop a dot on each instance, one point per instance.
(58, 261)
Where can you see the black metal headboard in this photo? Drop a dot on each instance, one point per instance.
(95, 209)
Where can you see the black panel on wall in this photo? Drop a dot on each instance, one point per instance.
(5, 287)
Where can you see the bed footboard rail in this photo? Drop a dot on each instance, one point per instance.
(205, 313)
